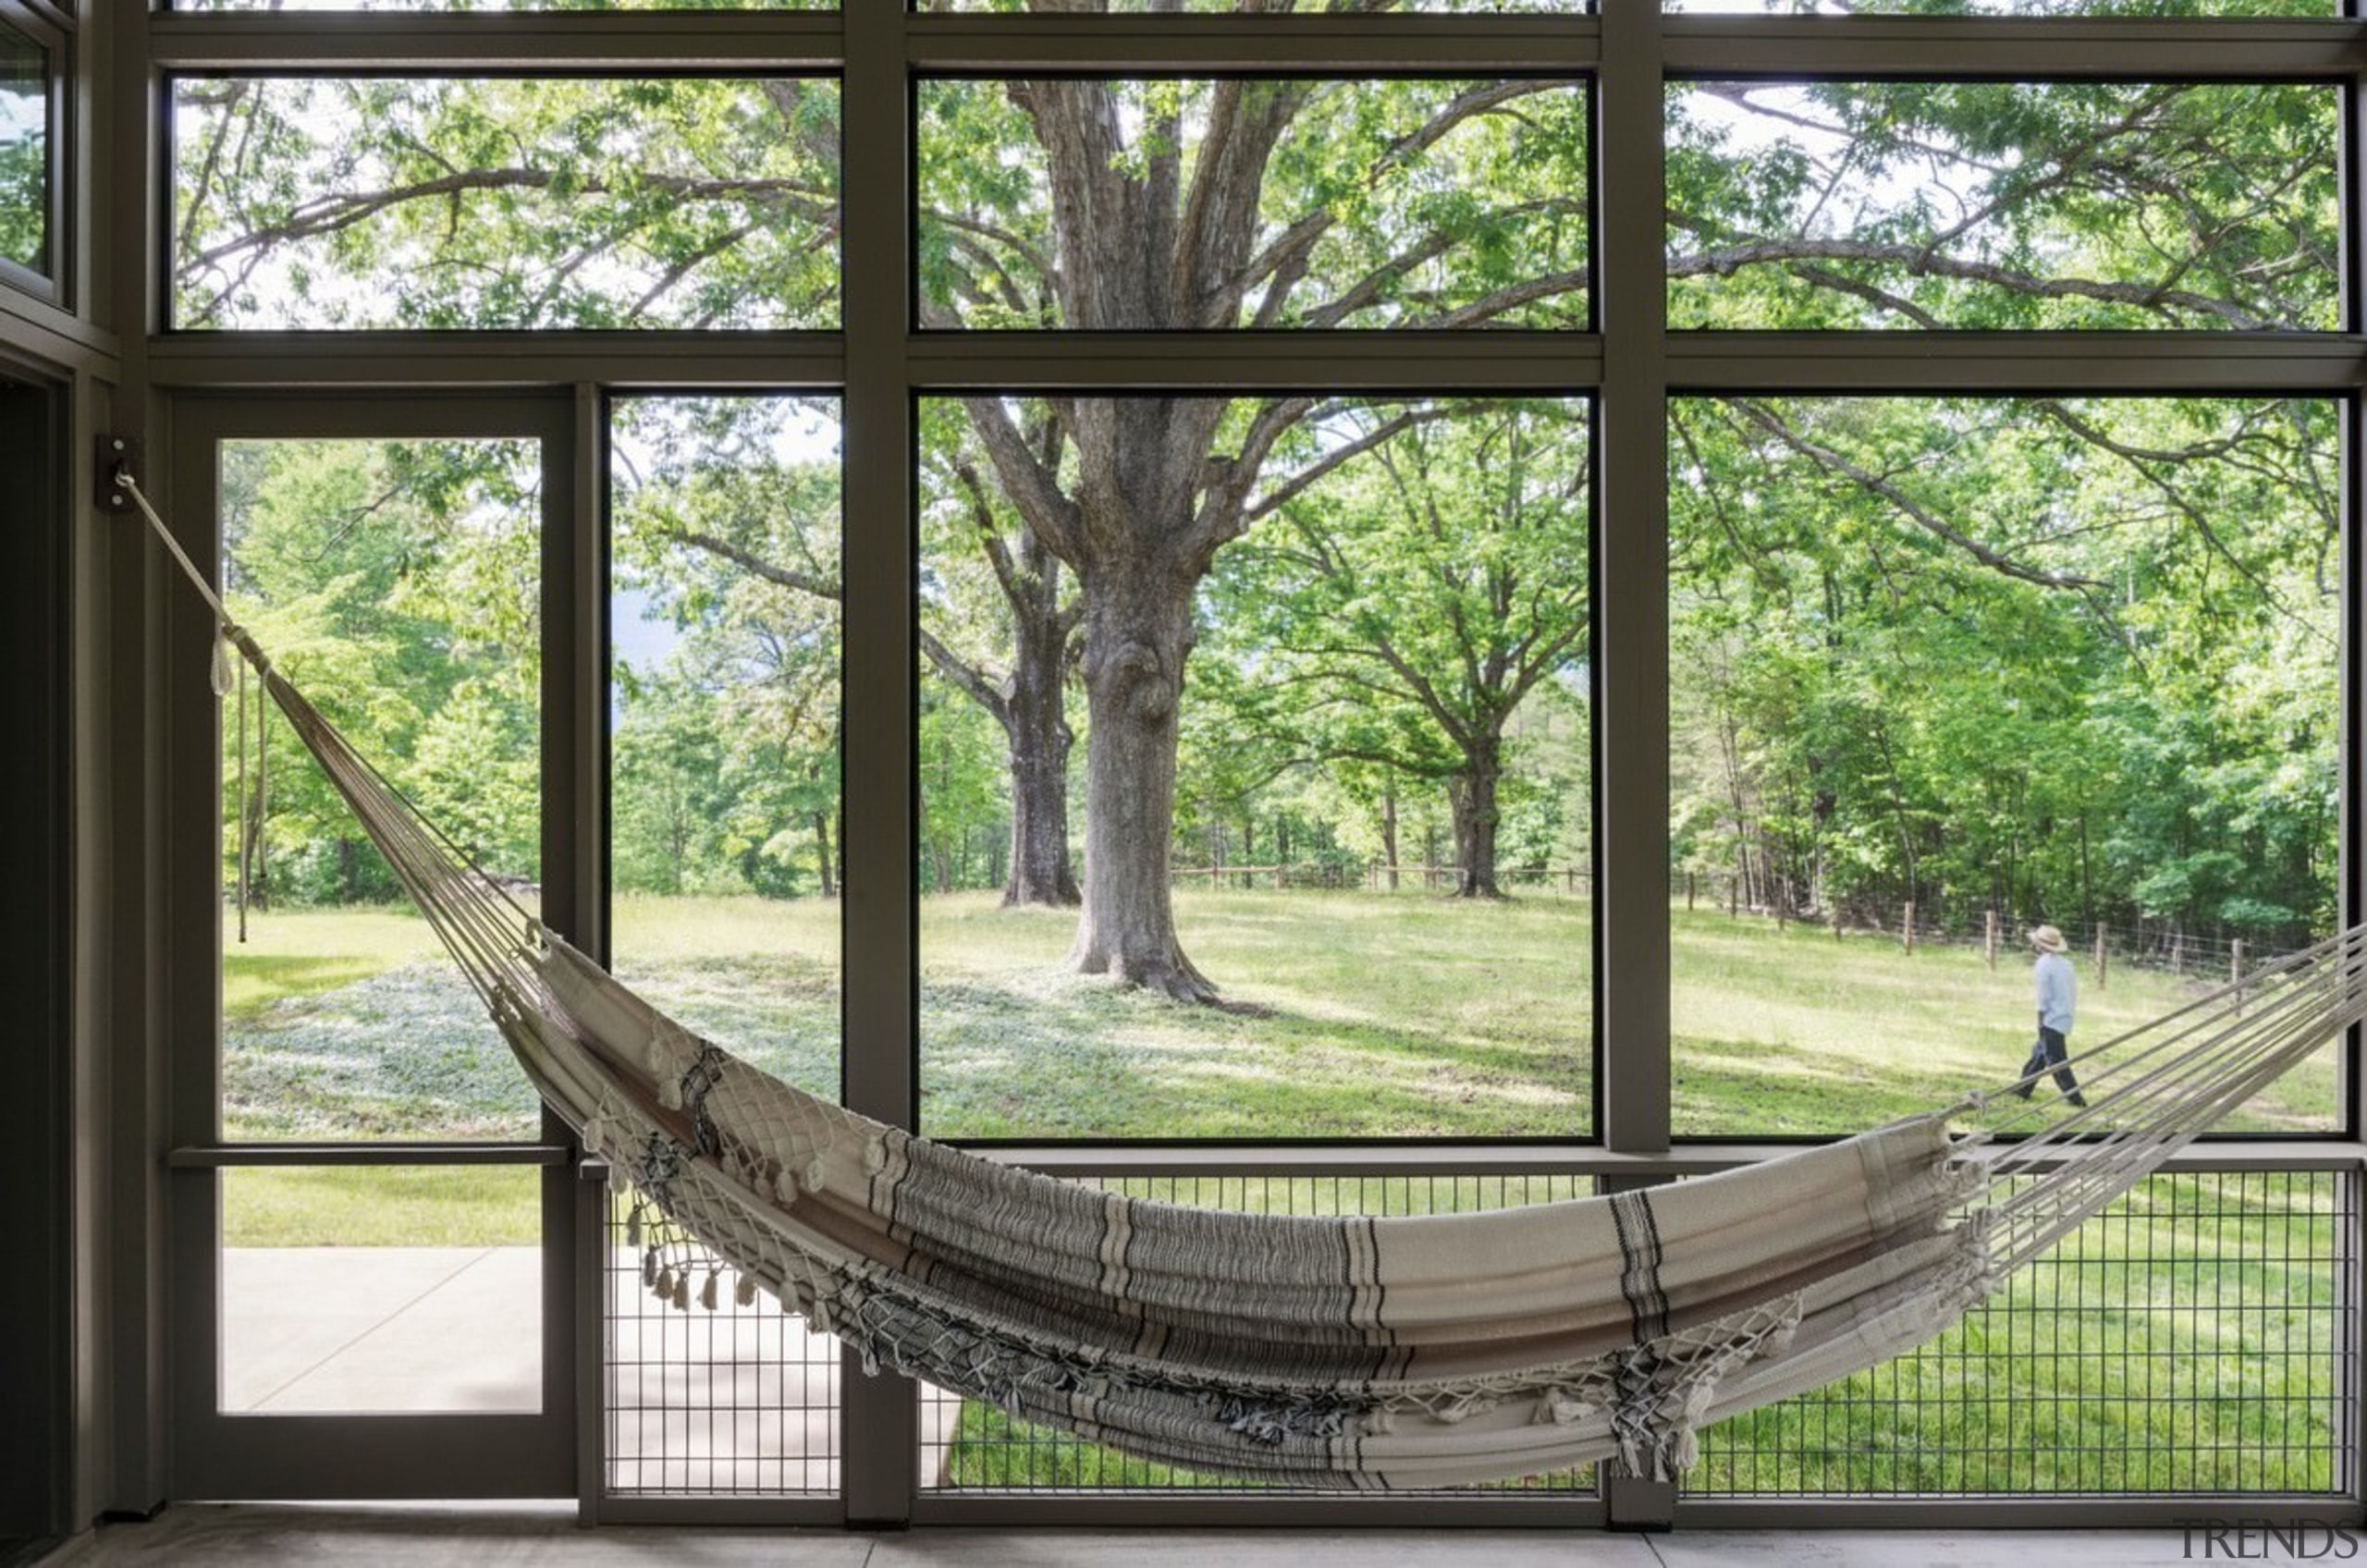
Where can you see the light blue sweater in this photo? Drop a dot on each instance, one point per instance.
(2057, 992)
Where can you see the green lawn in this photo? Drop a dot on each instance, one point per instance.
(1359, 1013)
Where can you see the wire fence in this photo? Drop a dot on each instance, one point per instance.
(1379, 876)
(2220, 954)
(981, 1449)
(739, 1401)
(2197, 1339)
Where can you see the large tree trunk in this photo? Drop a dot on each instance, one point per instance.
(1036, 725)
(825, 858)
(1137, 634)
(1472, 793)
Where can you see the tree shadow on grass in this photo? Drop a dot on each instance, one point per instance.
(1039, 1054)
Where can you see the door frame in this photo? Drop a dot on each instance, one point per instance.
(37, 1296)
(216, 1454)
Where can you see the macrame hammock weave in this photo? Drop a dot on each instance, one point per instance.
(1346, 1352)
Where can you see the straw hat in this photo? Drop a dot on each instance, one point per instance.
(2047, 940)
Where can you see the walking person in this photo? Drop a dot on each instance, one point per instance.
(2057, 991)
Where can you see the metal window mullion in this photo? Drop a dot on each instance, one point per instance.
(493, 361)
(1315, 44)
(1631, 589)
(1183, 363)
(624, 42)
(1878, 362)
(879, 1441)
(2020, 48)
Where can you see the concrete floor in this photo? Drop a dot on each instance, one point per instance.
(254, 1537)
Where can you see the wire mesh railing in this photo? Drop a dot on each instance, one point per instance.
(968, 1446)
(2197, 1339)
(739, 1401)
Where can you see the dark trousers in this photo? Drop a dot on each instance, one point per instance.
(2050, 1052)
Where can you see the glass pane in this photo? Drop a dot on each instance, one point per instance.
(504, 203)
(1253, 202)
(384, 1289)
(724, 703)
(2003, 205)
(1963, 668)
(1258, 7)
(2017, 8)
(24, 150)
(1316, 667)
(505, 5)
(398, 583)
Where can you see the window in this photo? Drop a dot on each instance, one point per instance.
(2003, 204)
(1336, 606)
(368, 202)
(1311, 839)
(1057, 202)
(27, 154)
(1945, 671)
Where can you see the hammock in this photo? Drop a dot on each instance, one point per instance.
(1347, 1352)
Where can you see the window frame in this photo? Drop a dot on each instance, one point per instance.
(878, 366)
(52, 35)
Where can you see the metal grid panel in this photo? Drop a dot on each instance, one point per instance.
(969, 1447)
(2195, 1339)
(739, 1401)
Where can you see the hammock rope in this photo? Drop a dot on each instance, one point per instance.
(1341, 1352)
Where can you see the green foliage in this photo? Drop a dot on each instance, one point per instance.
(726, 746)
(398, 583)
(24, 151)
(2069, 661)
(373, 203)
(2002, 206)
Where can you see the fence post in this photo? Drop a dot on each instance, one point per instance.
(2177, 952)
(1991, 944)
(2099, 958)
(2235, 971)
(1688, 892)
(1907, 928)
(1733, 898)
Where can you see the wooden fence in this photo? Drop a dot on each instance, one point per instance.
(2204, 956)
(1381, 877)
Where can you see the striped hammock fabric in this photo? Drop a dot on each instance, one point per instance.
(1346, 1352)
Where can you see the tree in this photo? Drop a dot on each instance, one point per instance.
(992, 592)
(1168, 204)
(1417, 599)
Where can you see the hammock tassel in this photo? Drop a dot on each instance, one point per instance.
(664, 1283)
(682, 1297)
(649, 1268)
(221, 671)
(785, 1188)
(707, 1291)
(744, 1293)
(817, 1175)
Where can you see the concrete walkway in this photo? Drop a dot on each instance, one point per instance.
(385, 1329)
(738, 1400)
